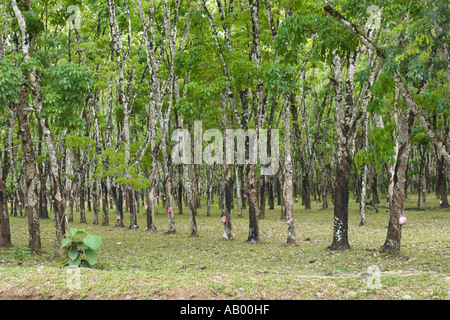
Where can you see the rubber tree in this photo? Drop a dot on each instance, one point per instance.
(21, 111)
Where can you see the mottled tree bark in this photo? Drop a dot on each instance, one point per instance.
(171, 28)
(262, 211)
(209, 192)
(324, 180)
(442, 187)
(366, 41)
(105, 181)
(243, 186)
(344, 104)
(340, 231)
(132, 208)
(196, 190)
(150, 208)
(228, 199)
(420, 179)
(306, 197)
(43, 205)
(238, 191)
(118, 197)
(80, 180)
(71, 202)
(59, 204)
(5, 231)
(374, 188)
(259, 103)
(32, 210)
(288, 202)
(105, 211)
(364, 169)
(306, 192)
(27, 143)
(270, 191)
(187, 178)
(190, 200)
(125, 99)
(403, 141)
(253, 233)
(15, 176)
(180, 191)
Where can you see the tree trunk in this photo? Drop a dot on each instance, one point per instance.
(343, 110)
(253, 233)
(209, 192)
(105, 211)
(5, 231)
(306, 194)
(442, 187)
(362, 203)
(118, 197)
(244, 187)
(340, 232)
(228, 199)
(81, 185)
(89, 198)
(148, 210)
(187, 177)
(165, 120)
(95, 207)
(27, 142)
(71, 204)
(32, 210)
(306, 197)
(423, 181)
(420, 185)
(364, 169)
(132, 209)
(168, 193)
(191, 201)
(278, 190)
(288, 202)
(150, 207)
(238, 191)
(262, 213)
(324, 188)
(374, 188)
(180, 191)
(16, 194)
(397, 200)
(270, 191)
(59, 202)
(197, 194)
(43, 205)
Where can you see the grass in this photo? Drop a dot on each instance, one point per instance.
(134, 264)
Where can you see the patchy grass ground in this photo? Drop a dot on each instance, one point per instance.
(134, 264)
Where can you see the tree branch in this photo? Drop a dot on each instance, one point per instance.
(401, 86)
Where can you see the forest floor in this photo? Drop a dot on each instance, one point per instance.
(135, 264)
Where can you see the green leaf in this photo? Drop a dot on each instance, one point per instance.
(92, 241)
(75, 262)
(91, 256)
(61, 261)
(66, 242)
(74, 231)
(86, 264)
(81, 245)
(73, 253)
